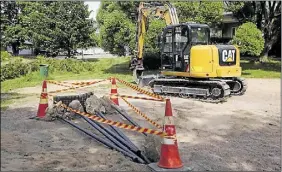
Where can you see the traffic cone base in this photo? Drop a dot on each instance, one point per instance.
(170, 157)
(155, 167)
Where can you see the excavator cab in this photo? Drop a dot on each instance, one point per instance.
(176, 42)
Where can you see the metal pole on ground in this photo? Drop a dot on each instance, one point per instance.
(126, 116)
(132, 146)
(110, 137)
(106, 143)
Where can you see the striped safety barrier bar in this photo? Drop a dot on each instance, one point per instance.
(73, 88)
(58, 83)
(137, 97)
(116, 124)
(135, 87)
(142, 114)
(85, 83)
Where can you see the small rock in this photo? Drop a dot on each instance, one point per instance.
(75, 104)
(93, 103)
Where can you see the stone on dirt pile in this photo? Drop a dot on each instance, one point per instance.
(93, 104)
(75, 104)
(53, 112)
(106, 102)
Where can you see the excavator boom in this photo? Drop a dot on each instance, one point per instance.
(161, 10)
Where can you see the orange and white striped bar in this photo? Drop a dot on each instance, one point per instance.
(140, 98)
(142, 114)
(114, 123)
(135, 87)
(73, 88)
(57, 83)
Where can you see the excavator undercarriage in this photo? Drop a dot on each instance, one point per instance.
(209, 90)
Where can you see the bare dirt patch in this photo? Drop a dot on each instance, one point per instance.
(240, 134)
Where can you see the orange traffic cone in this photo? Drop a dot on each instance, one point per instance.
(43, 103)
(114, 96)
(170, 157)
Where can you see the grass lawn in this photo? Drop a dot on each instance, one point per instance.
(118, 67)
(271, 69)
(103, 68)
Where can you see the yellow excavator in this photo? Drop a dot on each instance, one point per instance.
(190, 66)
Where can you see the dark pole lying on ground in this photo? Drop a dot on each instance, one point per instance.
(131, 145)
(126, 116)
(110, 137)
(117, 130)
(106, 143)
(109, 126)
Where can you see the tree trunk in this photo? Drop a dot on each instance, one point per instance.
(69, 53)
(268, 45)
(15, 49)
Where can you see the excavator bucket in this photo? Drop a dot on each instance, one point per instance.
(142, 80)
(145, 81)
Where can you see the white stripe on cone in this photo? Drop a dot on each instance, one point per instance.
(168, 141)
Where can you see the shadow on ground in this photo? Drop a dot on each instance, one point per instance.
(122, 68)
(221, 141)
(37, 145)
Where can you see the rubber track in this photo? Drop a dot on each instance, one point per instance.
(245, 86)
(222, 84)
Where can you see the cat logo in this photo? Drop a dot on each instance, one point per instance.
(228, 55)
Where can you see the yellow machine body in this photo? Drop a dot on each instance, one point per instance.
(204, 63)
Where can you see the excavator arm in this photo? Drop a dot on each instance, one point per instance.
(160, 10)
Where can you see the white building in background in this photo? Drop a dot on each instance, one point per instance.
(24, 52)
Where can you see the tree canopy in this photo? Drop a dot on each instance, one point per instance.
(266, 15)
(249, 38)
(117, 23)
(210, 13)
(50, 25)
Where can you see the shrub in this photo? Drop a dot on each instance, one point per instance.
(5, 56)
(14, 69)
(18, 68)
(249, 39)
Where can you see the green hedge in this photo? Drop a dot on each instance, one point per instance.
(17, 68)
(5, 56)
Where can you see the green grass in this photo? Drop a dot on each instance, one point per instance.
(270, 69)
(118, 67)
(13, 59)
(103, 68)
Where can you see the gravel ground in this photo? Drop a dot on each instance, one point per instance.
(242, 134)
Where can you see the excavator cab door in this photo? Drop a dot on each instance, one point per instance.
(166, 49)
(181, 48)
(175, 48)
